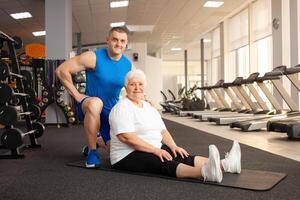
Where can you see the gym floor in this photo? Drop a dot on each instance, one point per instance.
(273, 142)
(43, 173)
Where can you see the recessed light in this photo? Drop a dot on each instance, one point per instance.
(213, 4)
(117, 24)
(21, 15)
(207, 40)
(118, 4)
(176, 49)
(39, 33)
(140, 28)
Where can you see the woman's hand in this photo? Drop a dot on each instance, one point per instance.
(178, 150)
(162, 154)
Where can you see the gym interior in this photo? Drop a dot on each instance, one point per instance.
(217, 71)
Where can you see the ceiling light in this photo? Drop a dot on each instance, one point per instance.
(213, 4)
(39, 33)
(207, 40)
(176, 49)
(117, 24)
(21, 15)
(140, 28)
(118, 4)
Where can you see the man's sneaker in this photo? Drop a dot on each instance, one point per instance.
(85, 150)
(232, 161)
(93, 159)
(211, 171)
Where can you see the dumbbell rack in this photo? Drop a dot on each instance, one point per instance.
(15, 154)
(51, 90)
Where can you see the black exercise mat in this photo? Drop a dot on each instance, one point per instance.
(248, 179)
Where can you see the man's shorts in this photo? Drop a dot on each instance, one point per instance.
(104, 123)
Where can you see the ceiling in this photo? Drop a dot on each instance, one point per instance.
(177, 23)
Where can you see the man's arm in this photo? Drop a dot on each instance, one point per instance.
(76, 64)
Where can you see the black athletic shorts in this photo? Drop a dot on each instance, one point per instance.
(138, 161)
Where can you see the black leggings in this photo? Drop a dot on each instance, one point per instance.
(138, 161)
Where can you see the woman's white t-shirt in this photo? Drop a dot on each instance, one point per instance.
(127, 117)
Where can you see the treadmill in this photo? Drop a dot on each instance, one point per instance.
(290, 125)
(239, 103)
(263, 111)
(215, 96)
(261, 122)
(238, 88)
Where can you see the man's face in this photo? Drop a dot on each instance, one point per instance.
(117, 42)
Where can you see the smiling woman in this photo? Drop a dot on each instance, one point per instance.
(140, 141)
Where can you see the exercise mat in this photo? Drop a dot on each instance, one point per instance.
(248, 179)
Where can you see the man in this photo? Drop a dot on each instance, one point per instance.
(105, 74)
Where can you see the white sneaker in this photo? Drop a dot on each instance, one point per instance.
(232, 161)
(211, 171)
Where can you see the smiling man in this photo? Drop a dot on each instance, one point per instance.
(105, 73)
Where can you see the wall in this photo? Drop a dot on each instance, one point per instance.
(152, 67)
(170, 71)
(153, 72)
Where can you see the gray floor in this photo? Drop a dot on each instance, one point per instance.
(273, 142)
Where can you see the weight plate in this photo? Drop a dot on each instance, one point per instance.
(28, 80)
(39, 127)
(32, 94)
(35, 111)
(6, 93)
(12, 138)
(8, 115)
(4, 71)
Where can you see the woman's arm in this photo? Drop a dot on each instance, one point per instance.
(140, 145)
(167, 139)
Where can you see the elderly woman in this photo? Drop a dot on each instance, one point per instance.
(140, 141)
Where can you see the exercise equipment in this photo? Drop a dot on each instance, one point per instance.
(13, 138)
(9, 114)
(5, 72)
(7, 93)
(79, 78)
(27, 78)
(5, 76)
(259, 123)
(18, 43)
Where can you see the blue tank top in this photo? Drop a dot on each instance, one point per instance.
(107, 79)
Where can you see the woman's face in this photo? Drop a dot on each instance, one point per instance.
(135, 89)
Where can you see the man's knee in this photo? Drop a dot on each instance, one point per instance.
(92, 105)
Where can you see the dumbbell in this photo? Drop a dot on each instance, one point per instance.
(61, 88)
(45, 93)
(12, 138)
(67, 108)
(59, 93)
(35, 111)
(71, 119)
(70, 114)
(5, 72)
(79, 78)
(81, 89)
(7, 93)
(9, 114)
(45, 100)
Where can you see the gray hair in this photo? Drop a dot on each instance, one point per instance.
(138, 74)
